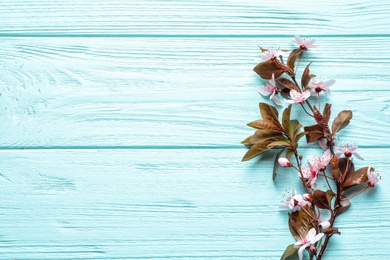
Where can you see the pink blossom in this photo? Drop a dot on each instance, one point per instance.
(271, 89)
(373, 177)
(348, 151)
(311, 238)
(311, 175)
(296, 201)
(304, 43)
(270, 54)
(298, 97)
(321, 162)
(323, 142)
(284, 162)
(318, 86)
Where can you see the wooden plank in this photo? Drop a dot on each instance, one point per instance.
(80, 92)
(220, 17)
(165, 204)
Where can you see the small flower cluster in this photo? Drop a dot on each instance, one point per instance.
(312, 214)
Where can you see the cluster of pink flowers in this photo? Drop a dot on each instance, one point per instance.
(312, 214)
(314, 86)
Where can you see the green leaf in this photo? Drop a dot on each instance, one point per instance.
(266, 125)
(286, 119)
(290, 251)
(276, 163)
(306, 76)
(300, 135)
(289, 153)
(296, 130)
(341, 121)
(267, 68)
(329, 196)
(279, 143)
(269, 113)
(293, 126)
(292, 57)
(255, 150)
(287, 83)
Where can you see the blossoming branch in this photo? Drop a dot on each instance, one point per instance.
(312, 215)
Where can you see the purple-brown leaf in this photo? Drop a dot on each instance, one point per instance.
(327, 112)
(320, 199)
(355, 178)
(321, 121)
(314, 133)
(287, 83)
(306, 76)
(292, 57)
(334, 164)
(267, 68)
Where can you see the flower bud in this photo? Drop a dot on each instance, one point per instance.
(285, 162)
(313, 250)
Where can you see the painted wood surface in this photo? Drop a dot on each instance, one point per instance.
(122, 122)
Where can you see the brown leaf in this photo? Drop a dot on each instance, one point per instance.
(341, 121)
(300, 222)
(306, 76)
(355, 178)
(267, 68)
(327, 112)
(334, 164)
(261, 135)
(266, 125)
(292, 57)
(321, 121)
(269, 112)
(314, 133)
(320, 199)
(287, 83)
(255, 150)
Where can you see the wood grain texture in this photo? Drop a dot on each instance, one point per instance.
(121, 124)
(165, 203)
(133, 92)
(189, 18)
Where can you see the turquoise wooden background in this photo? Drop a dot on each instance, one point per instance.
(121, 124)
